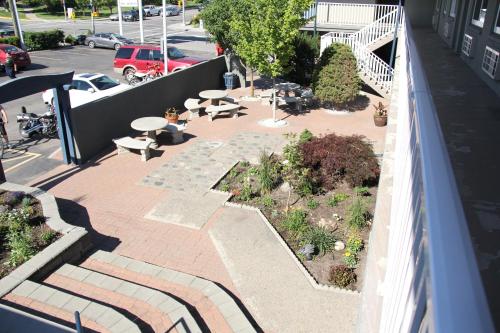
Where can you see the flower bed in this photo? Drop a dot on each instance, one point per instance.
(321, 209)
(23, 232)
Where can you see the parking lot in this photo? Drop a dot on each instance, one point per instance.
(29, 159)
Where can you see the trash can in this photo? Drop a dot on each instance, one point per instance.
(229, 80)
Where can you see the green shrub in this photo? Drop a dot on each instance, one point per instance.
(357, 214)
(195, 21)
(224, 187)
(246, 192)
(302, 62)
(305, 136)
(362, 191)
(12, 40)
(26, 202)
(312, 204)
(267, 201)
(320, 237)
(20, 245)
(354, 244)
(333, 158)
(350, 259)
(337, 198)
(268, 173)
(336, 79)
(342, 276)
(294, 172)
(43, 40)
(47, 236)
(70, 39)
(295, 222)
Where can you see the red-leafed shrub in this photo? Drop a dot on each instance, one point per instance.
(333, 158)
(342, 276)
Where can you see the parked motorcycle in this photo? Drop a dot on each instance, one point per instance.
(32, 124)
(153, 72)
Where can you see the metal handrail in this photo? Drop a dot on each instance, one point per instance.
(78, 323)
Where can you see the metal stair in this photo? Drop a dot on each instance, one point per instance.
(373, 70)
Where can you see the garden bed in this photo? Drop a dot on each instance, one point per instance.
(314, 214)
(23, 231)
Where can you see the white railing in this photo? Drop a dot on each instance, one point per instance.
(378, 29)
(369, 64)
(345, 14)
(432, 282)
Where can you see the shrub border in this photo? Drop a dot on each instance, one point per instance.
(312, 281)
(69, 248)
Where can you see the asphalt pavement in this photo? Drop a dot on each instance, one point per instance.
(30, 159)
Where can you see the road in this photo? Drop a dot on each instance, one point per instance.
(30, 159)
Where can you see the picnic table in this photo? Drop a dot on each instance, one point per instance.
(213, 95)
(286, 87)
(150, 125)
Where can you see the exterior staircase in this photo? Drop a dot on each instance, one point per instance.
(113, 293)
(374, 71)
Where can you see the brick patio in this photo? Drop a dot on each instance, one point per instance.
(107, 196)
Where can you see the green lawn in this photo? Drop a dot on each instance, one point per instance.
(4, 13)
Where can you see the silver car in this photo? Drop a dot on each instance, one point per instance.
(172, 11)
(107, 40)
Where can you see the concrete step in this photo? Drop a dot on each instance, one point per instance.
(380, 42)
(373, 84)
(59, 306)
(151, 309)
(215, 306)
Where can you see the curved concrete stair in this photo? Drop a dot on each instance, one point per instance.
(155, 310)
(217, 308)
(51, 302)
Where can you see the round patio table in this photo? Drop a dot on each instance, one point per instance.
(213, 95)
(150, 125)
(286, 87)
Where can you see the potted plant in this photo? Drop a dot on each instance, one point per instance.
(380, 115)
(172, 115)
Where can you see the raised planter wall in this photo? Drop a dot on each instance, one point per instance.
(74, 242)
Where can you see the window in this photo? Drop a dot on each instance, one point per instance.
(104, 82)
(81, 85)
(143, 54)
(175, 53)
(157, 55)
(496, 26)
(490, 61)
(479, 13)
(453, 8)
(124, 53)
(467, 45)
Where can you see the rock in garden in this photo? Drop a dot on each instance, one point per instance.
(339, 246)
(285, 187)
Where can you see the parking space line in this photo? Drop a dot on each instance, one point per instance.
(33, 156)
(42, 57)
(54, 153)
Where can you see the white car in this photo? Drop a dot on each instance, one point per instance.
(88, 87)
(151, 10)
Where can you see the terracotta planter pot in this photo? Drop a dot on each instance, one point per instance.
(380, 121)
(172, 118)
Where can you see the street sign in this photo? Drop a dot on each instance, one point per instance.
(128, 3)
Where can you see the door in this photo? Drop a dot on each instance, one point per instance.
(80, 92)
(158, 59)
(143, 60)
(107, 41)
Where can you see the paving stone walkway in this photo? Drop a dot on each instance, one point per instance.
(191, 174)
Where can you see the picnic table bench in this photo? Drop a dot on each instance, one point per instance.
(214, 110)
(125, 144)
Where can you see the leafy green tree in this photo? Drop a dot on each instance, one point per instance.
(337, 81)
(217, 16)
(264, 32)
(306, 51)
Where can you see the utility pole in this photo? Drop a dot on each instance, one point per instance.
(164, 41)
(17, 24)
(183, 12)
(141, 29)
(64, 9)
(92, 16)
(118, 2)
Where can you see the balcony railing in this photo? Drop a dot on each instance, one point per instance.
(345, 14)
(432, 282)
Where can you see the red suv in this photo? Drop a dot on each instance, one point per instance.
(21, 58)
(139, 58)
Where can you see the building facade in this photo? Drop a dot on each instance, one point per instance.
(472, 29)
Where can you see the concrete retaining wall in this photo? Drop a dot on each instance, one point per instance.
(96, 123)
